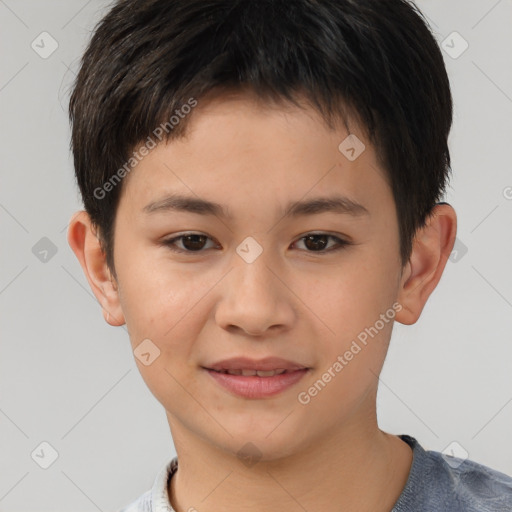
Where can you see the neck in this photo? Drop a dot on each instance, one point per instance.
(356, 468)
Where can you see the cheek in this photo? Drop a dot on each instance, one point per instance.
(155, 298)
(352, 349)
(162, 305)
(353, 299)
(355, 305)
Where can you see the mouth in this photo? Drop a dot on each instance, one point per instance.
(252, 379)
(249, 367)
(253, 373)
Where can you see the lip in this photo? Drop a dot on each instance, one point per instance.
(254, 387)
(245, 363)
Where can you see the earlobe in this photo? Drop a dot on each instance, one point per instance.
(432, 247)
(85, 244)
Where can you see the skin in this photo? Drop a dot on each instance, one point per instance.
(291, 302)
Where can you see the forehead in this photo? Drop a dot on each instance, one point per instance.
(237, 143)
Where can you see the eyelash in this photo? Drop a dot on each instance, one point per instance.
(341, 243)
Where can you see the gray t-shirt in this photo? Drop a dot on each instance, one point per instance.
(436, 483)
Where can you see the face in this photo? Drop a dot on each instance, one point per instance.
(273, 270)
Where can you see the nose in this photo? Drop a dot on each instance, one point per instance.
(255, 300)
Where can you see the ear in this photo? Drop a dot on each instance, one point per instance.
(83, 240)
(432, 247)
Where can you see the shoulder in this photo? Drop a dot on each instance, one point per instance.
(442, 483)
(474, 486)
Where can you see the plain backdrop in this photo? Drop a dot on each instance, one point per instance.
(69, 379)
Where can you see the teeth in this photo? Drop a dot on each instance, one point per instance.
(270, 373)
(252, 373)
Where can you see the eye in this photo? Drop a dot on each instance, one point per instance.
(191, 242)
(314, 242)
(317, 242)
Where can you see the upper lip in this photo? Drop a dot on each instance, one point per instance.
(244, 363)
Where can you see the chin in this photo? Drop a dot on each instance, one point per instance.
(263, 444)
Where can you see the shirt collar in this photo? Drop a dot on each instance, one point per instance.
(160, 501)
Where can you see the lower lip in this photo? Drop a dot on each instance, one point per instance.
(257, 387)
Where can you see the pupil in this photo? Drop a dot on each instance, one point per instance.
(195, 245)
(316, 245)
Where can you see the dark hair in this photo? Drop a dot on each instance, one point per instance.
(374, 59)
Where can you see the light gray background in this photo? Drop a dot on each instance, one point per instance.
(68, 378)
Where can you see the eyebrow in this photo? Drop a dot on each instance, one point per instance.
(335, 204)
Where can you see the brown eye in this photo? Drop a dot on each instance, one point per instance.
(313, 242)
(194, 242)
(317, 242)
(191, 242)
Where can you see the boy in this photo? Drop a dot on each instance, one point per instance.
(261, 182)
